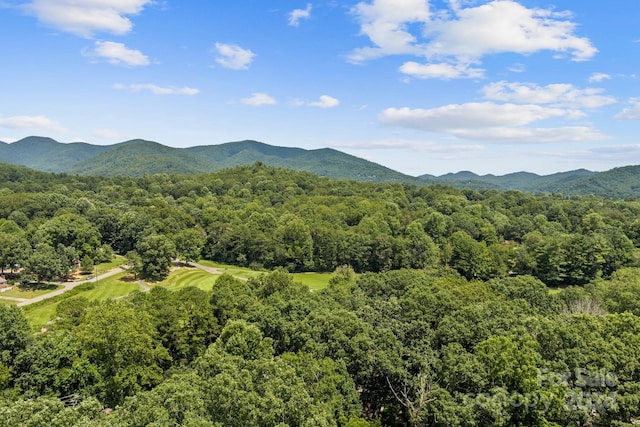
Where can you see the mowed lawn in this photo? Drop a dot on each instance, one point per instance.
(115, 286)
(241, 272)
(315, 281)
(28, 291)
(188, 276)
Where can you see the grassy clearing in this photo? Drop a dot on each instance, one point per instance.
(242, 272)
(107, 266)
(30, 291)
(115, 286)
(38, 315)
(315, 281)
(112, 287)
(7, 302)
(183, 277)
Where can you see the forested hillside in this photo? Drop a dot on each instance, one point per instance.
(446, 307)
(139, 157)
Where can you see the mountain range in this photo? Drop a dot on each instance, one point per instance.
(139, 157)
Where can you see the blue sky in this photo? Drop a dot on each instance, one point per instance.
(421, 86)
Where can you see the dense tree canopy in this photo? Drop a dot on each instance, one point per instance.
(439, 313)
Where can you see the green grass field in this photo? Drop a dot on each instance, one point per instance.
(112, 287)
(29, 292)
(314, 281)
(7, 302)
(241, 272)
(38, 315)
(183, 277)
(115, 286)
(122, 284)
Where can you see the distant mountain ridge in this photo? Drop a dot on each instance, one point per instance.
(139, 157)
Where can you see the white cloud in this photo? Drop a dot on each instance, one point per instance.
(630, 113)
(440, 71)
(517, 68)
(385, 23)
(297, 14)
(598, 77)
(506, 26)
(233, 56)
(158, 90)
(462, 36)
(87, 17)
(31, 123)
(325, 101)
(490, 121)
(473, 115)
(558, 94)
(119, 54)
(258, 99)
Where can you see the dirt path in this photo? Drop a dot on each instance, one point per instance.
(66, 286)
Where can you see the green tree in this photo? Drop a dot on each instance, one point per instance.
(87, 264)
(189, 244)
(156, 253)
(45, 264)
(14, 250)
(122, 344)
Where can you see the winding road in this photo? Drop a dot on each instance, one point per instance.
(67, 286)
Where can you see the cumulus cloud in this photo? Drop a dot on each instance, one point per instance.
(461, 36)
(87, 17)
(489, 121)
(559, 94)
(41, 123)
(233, 56)
(598, 77)
(630, 113)
(442, 71)
(297, 14)
(325, 101)
(119, 54)
(258, 99)
(385, 23)
(158, 90)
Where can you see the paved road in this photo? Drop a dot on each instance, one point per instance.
(67, 286)
(211, 270)
(214, 270)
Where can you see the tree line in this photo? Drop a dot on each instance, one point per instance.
(438, 312)
(266, 217)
